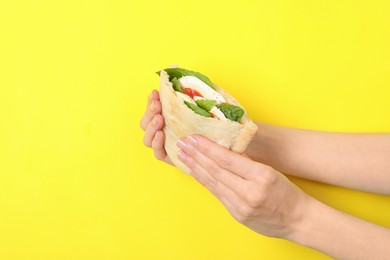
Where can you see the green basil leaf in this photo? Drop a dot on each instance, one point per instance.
(180, 72)
(176, 85)
(232, 112)
(198, 110)
(206, 104)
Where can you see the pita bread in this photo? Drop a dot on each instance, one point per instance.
(181, 121)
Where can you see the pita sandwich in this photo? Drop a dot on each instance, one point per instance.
(192, 104)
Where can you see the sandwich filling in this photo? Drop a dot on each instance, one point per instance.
(199, 94)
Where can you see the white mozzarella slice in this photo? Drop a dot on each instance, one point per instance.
(196, 98)
(218, 113)
(205, 90)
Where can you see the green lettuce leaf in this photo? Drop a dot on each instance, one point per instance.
(206, 104)
(198, 110)
(232, 112)
(180, 72)
(176, 85)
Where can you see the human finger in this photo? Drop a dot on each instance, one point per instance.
(154, 95)
(231, 208)
(233, 181)
(226, 195)
(153, 108)
(223, 157)
(158, 147)
(154, 125)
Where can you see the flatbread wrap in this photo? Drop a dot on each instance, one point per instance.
(192, 104)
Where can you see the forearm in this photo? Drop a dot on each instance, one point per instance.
(340, 235)
(359, 161)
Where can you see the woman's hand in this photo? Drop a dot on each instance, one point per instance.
(255, 194)
(152, 123)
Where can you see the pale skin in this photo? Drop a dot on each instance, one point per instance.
(256, 193)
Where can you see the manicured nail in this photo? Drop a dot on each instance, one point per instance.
(181, 155)
(192, 140)
(181, 143)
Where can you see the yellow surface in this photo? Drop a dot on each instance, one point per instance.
(76, 181)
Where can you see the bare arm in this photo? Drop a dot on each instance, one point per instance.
(358, 161)
(267, 202)
(340, 235)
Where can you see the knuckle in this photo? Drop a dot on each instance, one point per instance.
(269, 176)
(142, 123)
(190, 163)
(155, 122)
(159, 121)
(216, 172)
(199, 178)
(146, 141)
(214, 169)
(245, 211)
(159, 153)
(266, 176)
(240, 218)
(211, 183)
(159, 156)
(224, 162)
(255, 199)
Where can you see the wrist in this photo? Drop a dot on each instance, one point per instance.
(321, 227)
(265, 146)
(302, 230)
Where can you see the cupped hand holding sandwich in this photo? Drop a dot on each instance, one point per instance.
(236, 180)
(235, 169)
(152, 123)
(253, 193)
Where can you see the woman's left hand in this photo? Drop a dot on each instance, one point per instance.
(256, 195)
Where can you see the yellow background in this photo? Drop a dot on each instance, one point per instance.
(76, 181)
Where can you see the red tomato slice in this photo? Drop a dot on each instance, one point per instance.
(190, 92)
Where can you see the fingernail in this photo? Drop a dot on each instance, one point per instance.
(181, 155)
(192, 140)
(151, 96)
(181, 143)
(152, 107)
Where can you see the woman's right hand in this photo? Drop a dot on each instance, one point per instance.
(152, 123)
